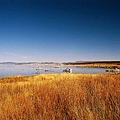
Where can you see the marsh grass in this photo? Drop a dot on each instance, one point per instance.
(60, 97)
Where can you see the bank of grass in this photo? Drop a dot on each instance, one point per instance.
(60, 97)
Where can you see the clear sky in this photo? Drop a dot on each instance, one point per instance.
(59, 30)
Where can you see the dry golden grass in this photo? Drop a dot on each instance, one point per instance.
(101, 65)
(60, 97)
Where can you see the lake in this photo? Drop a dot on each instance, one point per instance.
(34, 69)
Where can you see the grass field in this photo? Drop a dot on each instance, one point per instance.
(60, 97)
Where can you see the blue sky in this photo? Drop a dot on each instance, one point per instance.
(59, 30)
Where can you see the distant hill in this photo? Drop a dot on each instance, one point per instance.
(24, 63)
(66, 63)
(7, 63)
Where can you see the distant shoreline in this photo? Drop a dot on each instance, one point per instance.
(88, 64)
(95, 64)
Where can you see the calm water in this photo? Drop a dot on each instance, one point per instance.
(28, 70)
